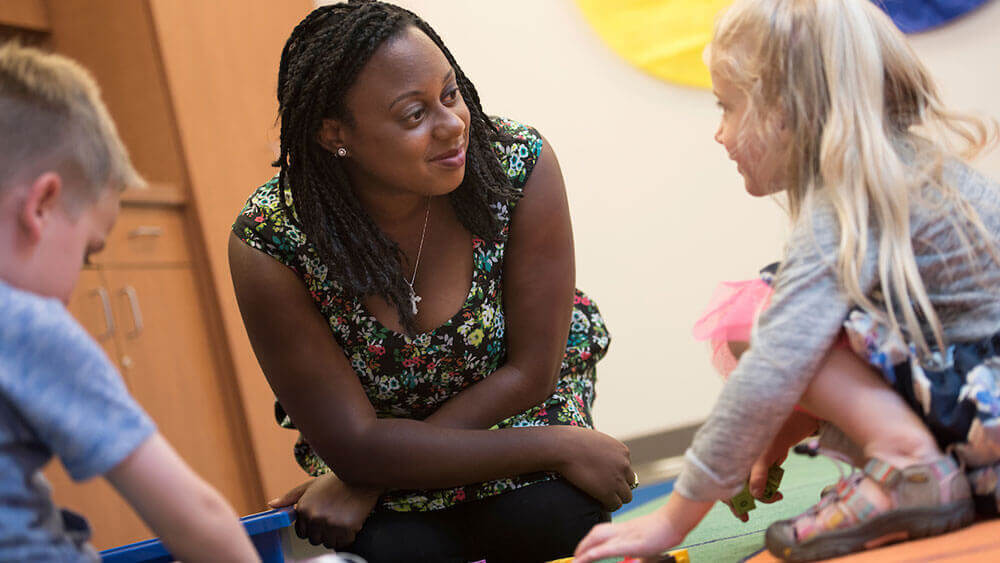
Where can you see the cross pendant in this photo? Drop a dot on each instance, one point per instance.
(414, 299)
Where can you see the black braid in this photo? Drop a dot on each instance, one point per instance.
(319, 63)
(479, 172)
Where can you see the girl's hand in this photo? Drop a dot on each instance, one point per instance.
(759, 471)
(596, 463)
(647, 537)
(775, 454)
(797, 426)
(329, 511)
(742, 517)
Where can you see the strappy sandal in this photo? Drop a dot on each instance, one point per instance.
(925, 499)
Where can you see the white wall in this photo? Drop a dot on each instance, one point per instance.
(659, 212)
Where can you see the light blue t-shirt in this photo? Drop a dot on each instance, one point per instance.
(59, 395)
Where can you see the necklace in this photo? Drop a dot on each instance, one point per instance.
(414, 298)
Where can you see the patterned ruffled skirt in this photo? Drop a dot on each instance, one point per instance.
(956, 393)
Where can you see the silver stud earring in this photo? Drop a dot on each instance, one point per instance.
(342, 152)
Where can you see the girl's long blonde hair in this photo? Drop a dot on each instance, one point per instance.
(864, 123)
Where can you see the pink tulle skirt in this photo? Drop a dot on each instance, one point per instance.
(730, 317)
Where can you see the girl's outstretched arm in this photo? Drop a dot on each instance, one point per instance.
(646, 536)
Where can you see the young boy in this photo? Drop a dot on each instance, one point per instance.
(62, 167)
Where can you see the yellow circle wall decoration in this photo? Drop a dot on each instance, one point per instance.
(662, 37)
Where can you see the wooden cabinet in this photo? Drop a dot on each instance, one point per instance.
(190, 85)
(168, 358)
(112, 519)
(141, 300)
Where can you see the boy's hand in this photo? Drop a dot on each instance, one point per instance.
(329, 511)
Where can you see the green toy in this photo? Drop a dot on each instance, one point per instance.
(773, 481)
(744, 502)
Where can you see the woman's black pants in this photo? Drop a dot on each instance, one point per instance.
(536, 523)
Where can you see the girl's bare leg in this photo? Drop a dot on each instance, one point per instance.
(848, 392)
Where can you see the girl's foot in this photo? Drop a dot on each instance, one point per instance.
(881, 504)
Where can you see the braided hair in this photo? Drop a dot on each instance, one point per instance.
(319, 63)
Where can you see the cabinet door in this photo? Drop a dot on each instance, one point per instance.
(169, 359)
(91, 305)
(111, 518)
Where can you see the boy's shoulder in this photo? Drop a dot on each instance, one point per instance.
(61, 385)
(46, 360)
(43, 349)
(15, 301)
(32, 325)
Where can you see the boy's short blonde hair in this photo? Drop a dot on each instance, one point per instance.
(52, 118)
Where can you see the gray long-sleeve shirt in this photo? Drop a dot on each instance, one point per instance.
(805, 315)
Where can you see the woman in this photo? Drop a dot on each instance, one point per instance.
(397, 203)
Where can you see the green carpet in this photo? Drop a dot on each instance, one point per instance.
(721, 538)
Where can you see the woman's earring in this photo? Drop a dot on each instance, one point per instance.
(342, 152)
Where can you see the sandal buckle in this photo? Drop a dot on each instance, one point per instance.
(883, 473)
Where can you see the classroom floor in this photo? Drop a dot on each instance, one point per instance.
(975, 543)
(721, 538)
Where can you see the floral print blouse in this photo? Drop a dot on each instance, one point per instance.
(408, 377)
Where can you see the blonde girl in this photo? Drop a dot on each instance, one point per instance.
(894, 243)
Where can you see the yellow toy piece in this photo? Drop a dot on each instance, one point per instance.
(680, 556)
(676, 556)
(665, 38)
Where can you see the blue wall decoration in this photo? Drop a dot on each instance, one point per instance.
(913, 16)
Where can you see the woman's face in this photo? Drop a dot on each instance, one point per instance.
(409, 126)
(760, 168)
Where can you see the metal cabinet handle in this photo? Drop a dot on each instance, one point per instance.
(145, 231)
(133, 303)
(109, 318)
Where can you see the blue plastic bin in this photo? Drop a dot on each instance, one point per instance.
(264, 529)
